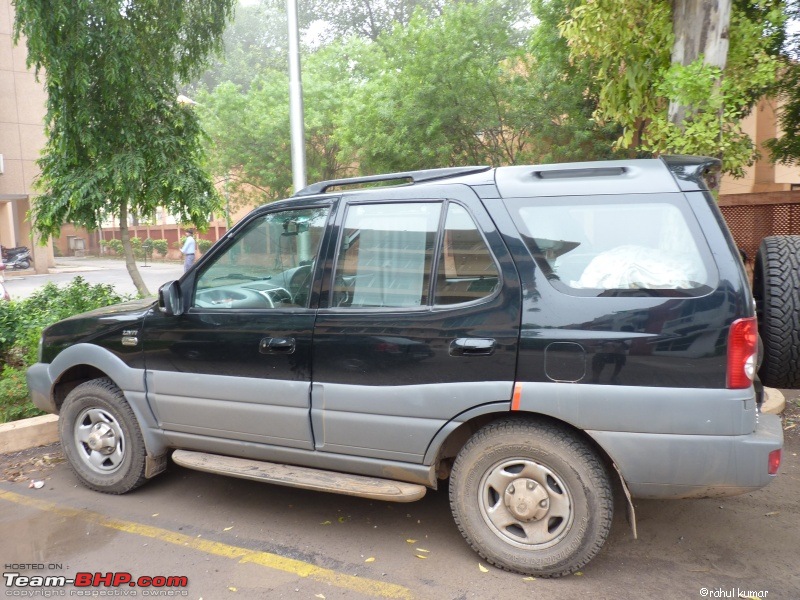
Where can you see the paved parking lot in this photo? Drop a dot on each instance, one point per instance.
(240, 539)
(94, 270)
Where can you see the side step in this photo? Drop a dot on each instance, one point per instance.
(301, 477)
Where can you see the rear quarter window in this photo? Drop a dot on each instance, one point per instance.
(616, 246)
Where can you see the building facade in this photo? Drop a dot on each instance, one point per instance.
(22, 137)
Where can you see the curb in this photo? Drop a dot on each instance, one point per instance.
(774, 401)
(28, 433)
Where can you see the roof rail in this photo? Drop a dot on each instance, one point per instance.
(414, 176)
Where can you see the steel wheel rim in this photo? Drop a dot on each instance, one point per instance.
(99, 440)
(525, 504)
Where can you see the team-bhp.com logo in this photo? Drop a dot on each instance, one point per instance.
(157, 585)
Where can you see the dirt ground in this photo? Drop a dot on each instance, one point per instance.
(744, 546)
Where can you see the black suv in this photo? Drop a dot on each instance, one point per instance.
(538, 335)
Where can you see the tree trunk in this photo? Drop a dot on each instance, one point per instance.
(130, 259)
(700, 28)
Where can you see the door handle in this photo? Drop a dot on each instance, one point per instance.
(277, 345)
(472, 347)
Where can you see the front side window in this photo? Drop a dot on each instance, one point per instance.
(385, 255)
(269, 265)
(611, 247)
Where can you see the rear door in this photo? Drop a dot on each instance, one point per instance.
(420, 322)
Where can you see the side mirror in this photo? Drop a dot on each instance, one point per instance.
(169, 299)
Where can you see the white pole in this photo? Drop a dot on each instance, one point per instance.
(296, 101)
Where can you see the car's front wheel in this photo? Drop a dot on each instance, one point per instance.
(531, 497)
(101, 438)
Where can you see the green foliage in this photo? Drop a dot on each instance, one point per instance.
(629, 52)
(21, 325)
(14, 403)
(204, 245)
(455, 83)
(161, 246)
(114, 244)
(117, 138)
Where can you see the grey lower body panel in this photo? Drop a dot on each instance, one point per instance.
(371, 467)
(693, 466)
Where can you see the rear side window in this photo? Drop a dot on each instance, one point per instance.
(386, 254)
(615, 246)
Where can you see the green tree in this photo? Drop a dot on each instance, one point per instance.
(248, 129)
(479, 84)
(668, 91)
(118, 140)
(786, 148)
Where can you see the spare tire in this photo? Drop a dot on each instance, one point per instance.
(776, 287)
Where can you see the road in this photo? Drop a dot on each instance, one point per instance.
(94, 270)
(240, 539)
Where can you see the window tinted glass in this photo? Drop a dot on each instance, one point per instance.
(593, 247)
(385, 255)
(269, 265)
(466, 268)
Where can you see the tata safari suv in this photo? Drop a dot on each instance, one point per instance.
(533, 337)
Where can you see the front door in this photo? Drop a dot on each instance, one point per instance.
(237, 364)
(420, 323)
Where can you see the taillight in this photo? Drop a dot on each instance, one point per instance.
(774, 461)
(742, 353)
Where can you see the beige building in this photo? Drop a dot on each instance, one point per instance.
(22, 110)
(763, 177)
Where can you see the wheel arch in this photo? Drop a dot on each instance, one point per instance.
(452, 437)
(84, 362)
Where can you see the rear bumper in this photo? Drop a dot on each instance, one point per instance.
(694, 466)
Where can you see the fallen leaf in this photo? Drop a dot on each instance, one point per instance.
(578, 573)
(155, 514)
(772, 514)
(420, 556)
(529, 579)
(319, 596)
(482, 568)
(228, 528)
(422, 550)
(233, 589)
(411, 541)
(325, 523)
(342, 519)
(370, 559)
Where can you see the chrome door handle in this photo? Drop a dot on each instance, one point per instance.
(472, 347)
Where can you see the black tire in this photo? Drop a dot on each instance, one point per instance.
(96, 414)
(776, 288)
(560, 485)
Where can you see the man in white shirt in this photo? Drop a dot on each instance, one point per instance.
(188, 250)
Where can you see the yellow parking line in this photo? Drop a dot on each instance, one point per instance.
(369, 587)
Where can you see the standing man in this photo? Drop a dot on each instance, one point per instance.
(188, 250)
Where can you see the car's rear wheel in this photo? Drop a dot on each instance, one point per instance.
(776, 288)
(101, 438)
(531, 497)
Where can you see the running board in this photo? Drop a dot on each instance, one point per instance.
(301, 477)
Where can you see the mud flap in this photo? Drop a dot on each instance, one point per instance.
(631, 510)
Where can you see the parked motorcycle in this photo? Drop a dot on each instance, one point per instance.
(17, 258)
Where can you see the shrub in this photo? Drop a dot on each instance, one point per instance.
(204, 245)
(115, 245)
(14, 404)
(161, 246)
(21, 325)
